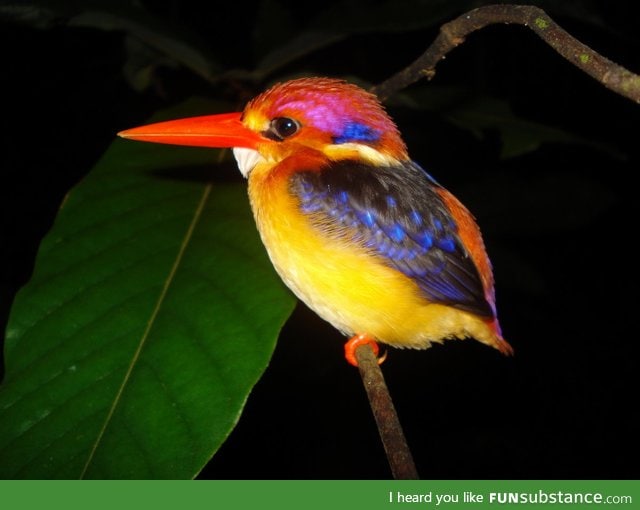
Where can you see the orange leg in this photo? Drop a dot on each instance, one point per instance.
(356, 341)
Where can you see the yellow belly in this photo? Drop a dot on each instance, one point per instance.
(349, 287)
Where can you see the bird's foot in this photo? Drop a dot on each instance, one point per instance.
(356, 341)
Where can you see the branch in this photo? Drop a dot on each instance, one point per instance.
(452, 34)
(393, 440)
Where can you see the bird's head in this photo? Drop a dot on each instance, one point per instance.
(331, 117)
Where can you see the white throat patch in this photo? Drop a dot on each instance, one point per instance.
(247, 159)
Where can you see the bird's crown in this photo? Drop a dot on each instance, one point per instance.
(329, 115)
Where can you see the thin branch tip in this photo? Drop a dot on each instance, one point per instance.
(611, 75)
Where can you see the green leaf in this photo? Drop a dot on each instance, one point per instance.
(388, 16)
(297, 47)
(480, 113)
(342, 19)
(152, 312)
(165, 41)
(519, 136)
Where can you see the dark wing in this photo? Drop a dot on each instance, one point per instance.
(398, 214)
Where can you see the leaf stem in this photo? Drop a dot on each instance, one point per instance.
(393, 440)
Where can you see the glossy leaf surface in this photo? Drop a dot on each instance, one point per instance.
(151, 313)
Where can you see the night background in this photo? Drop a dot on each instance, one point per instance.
(543, 155)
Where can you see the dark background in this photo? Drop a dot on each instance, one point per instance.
(558, 223)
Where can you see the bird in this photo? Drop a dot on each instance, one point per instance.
(360, 233)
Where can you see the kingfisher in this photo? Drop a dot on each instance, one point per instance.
(357, 230)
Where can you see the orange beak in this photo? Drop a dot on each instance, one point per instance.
(223, 130)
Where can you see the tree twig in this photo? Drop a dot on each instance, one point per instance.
(453, 33)
(393, 440)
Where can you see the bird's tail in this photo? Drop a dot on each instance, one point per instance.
(500, 343)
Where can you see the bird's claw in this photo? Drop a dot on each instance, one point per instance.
(356, 341)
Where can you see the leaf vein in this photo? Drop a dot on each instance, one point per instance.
(150, 323)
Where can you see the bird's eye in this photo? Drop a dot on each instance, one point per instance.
(284, 127)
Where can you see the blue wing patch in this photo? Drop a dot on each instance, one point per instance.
(397, 214)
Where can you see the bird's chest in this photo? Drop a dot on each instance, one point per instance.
(326, 273)
(297, 251)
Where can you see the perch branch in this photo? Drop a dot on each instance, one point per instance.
(393, 440)
(452, 34)
(611, 75)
